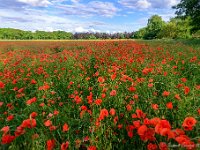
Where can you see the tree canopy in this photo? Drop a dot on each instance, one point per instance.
(154, 26)
(16, 34)
(189, 8)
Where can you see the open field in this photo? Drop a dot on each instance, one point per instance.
(9, 45)
(112, 94)
(194, 43)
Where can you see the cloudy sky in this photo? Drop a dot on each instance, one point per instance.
(82, 15)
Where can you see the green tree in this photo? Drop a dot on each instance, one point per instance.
(176, 28)
(27, 35)
(154, 26)
(92, 37)
(169, 31)
(62, 35)
(140, 33)
(189, 8)
(183, 27)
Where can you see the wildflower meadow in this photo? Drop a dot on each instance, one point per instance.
(99, 95)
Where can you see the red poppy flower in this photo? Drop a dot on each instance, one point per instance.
(65, 127)
(103, 113)
(142, 130)
(33, 114)
(184, 141)
(29, 123)
(2, 85)
(56, 112)
(155, 106)
(132, 89)
(1, 104)
(112, 112)
(98, 101)
(47, 123)
(151, 146)
(11, 117)
(92, 148)
(186, 90)
(128, 107)
(198, 111)
(150, 85)
(163, 146)
(30, 101)
(52, 128)
(101, 79)
(140, 113)
(6, 139)
(189, 123)
(78, 99)
(103, 95)
(135, 96)
(84, 108)
(64, 146)
(113, 93)
(113, 76)
(130, 133)
(136, 123)
(44, 87)
(5, 129)
(33, 81)
(165, 93)
(169, 105)
(177, 97)
(19, 131)
(161, 125)
(51, 144)
(184, 80)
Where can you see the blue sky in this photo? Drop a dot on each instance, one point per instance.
(82, 15)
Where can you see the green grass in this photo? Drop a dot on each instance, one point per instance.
(194, 43)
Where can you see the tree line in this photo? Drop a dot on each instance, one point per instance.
(185, 25)
(16, 34)
(157, 29)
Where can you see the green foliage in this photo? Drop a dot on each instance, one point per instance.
(183, 28)
(140, 34)
(154, 26)
(189, 8)
(16, 34)
(92, 37)
(196, 34)
(176, 28)
(169, 31)
(58, 49)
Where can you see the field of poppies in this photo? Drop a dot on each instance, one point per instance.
(99, 95)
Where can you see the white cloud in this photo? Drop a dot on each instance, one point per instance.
(40, 20)
(145, 4)
(165, 14)
(75, 1)
(92, 8)
(82, 29)
(164, 3)
(35, 2)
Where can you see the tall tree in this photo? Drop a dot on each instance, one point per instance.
(190, 8)
(176, 28)
(155, 24)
